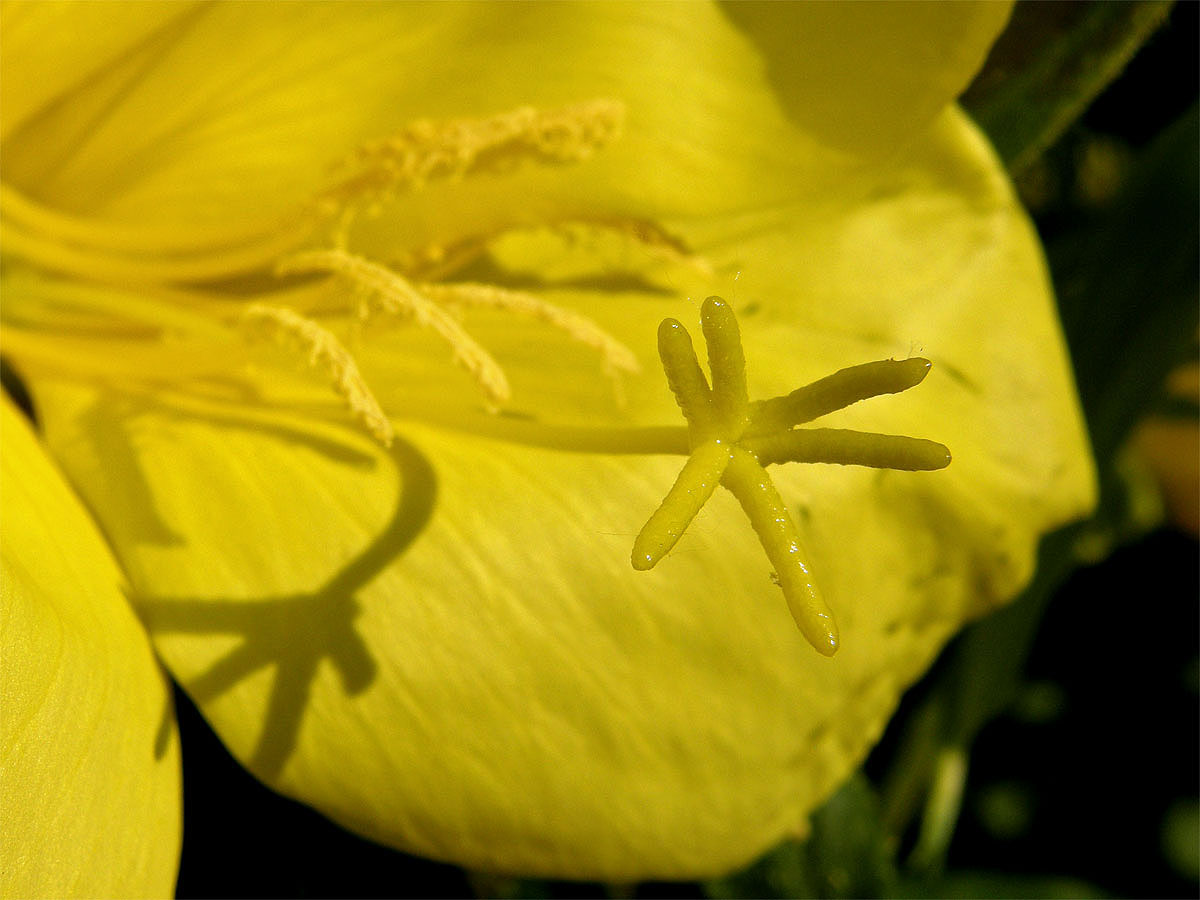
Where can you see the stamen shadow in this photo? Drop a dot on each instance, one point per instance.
(243, 397)
(116, 448)
(112, 439)
(296, 632)
(487, 271)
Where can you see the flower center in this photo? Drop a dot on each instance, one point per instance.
(154, 309)
(168, 329)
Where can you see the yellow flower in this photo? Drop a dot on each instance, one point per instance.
(339, 320)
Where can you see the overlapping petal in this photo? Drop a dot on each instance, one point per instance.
(89, 753)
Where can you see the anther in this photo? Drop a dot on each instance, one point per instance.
(617, 357)
(325, 352)
(390, 293)
(428, 150)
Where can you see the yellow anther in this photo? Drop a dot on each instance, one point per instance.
(732, 441)
(391, 293)
(325, 352)
(429, 150)
(630, 244)
(617, 357)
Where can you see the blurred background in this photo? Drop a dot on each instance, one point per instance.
(1054, 749)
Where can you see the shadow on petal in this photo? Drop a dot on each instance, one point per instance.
(295, 633)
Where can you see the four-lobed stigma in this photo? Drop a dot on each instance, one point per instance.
(733, 440)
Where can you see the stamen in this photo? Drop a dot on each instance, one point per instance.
(849, 448)
(651, 237)
(100, 357)
(617, 357)
(729, 445)
(394, 295)
(48, 251)
(427, 150)
(39, 298)
(326, 352)
(139, 239)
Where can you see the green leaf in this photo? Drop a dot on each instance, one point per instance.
(783, 872)
(847, 855)
(1127, 286)
(1049, 64)
(1001, 884)
(849, 850)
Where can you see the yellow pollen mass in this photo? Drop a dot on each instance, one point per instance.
(428, 150)
(732, 441)
(391, 293)
(425, 151)
(325, 352)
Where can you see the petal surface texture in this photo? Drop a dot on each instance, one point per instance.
(443, 645)
(90, 791)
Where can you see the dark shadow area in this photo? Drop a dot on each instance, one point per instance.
(14, 386)
(110, 439)
(295, 633)
(486, 271)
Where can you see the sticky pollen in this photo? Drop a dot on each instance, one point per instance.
(732, 441)
(426, 151)
(325, 352)
(615, 355)
(431, 150)
(392, 294)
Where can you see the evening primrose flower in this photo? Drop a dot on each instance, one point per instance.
(339, 322)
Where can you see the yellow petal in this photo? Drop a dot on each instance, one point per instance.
(446, 648)
(89, 753)
(509, 693)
